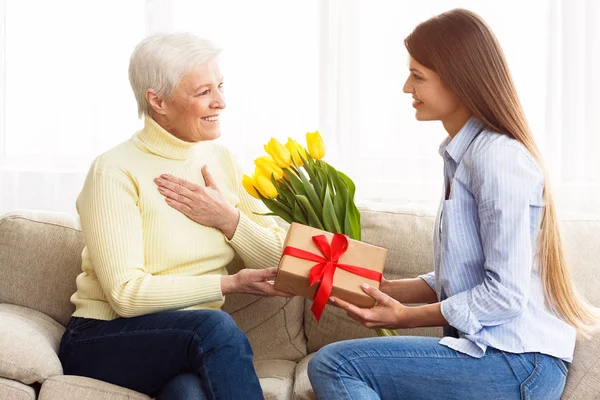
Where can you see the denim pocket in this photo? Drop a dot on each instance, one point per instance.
(563, 366)
(80, 324)
(547, 381)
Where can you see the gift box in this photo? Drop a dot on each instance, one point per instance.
(317, 264)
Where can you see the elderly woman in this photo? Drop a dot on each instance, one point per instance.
(162, 215)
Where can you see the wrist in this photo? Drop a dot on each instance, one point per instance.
(384, 286)
(406, 317)
(231, 223)
(228, 284)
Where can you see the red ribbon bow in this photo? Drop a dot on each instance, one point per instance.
(325, 269)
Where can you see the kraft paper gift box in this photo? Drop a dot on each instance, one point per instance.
(294, 271)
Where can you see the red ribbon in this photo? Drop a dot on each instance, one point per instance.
(325, 269)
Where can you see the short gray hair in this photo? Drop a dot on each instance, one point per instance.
(161, 61)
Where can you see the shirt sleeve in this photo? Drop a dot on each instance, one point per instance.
(429, 278)
(505, 183)
(112, 230)
(257, 239)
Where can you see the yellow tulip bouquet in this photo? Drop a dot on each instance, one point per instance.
(298, 186)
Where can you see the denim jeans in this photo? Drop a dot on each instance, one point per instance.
(418, 368)
(171, 355)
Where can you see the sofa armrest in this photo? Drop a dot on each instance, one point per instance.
(79, 387)
(14, 390)
(29, 342)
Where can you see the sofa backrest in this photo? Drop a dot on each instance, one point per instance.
(40, 258)
(407, 233)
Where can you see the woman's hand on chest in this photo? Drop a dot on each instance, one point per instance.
(207, 205)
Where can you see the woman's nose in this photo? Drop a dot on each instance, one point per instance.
(219, 101)
(407, 87)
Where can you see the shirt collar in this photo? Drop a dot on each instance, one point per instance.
(457, 146)
(158, 141)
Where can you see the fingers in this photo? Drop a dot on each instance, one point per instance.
(192, 187)
(351, 309)
(271, 291)
(375, 293)
(169, 194)
(270, 273)
(363, 316)
(175, 190)
(208, 179)
(181, 207)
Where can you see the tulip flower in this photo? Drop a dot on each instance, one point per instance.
(296, 150)
(250, 185)
(315, 144)
(280, 154)
(267, 166)
(265, 186)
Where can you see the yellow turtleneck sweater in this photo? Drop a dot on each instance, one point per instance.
(141, 255)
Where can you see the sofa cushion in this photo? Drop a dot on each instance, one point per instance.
(81, 388)
(276, 378)
(583, 380)
(13, 390)
(274, 325)
(29, 342)
(40, 257)
(407, 234)
(302, 388)
(581, 237)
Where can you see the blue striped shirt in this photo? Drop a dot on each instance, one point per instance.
(485, 240)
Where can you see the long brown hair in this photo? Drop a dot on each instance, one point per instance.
(462, 49)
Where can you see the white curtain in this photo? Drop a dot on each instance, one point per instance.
(290, 67)
(572, 103)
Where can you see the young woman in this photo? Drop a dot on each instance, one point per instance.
(500, 287)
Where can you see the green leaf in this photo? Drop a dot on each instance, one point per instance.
(349, 183)
(341, 193)
(386, 332)
(314, 178)
(298, 214)
(339, 206)
(352, 221)
(285, 194)
(330, 219)
(311, 194)
(278, 208)
(309, 190)
(271, 214)
(295, 183)
(313, 220)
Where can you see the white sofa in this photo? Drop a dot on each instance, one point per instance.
(40, 256)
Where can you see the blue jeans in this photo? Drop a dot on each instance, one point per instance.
(175, 355)
(418, 368)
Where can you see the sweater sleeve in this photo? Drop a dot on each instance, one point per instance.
(112, 230)
(258, 239)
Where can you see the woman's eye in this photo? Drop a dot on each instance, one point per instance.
(417, 78)
(205, 92)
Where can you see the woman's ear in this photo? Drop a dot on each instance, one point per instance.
(157, 105)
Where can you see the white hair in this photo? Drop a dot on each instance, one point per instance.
(161, 61)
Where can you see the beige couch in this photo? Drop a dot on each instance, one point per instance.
(40, 256)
